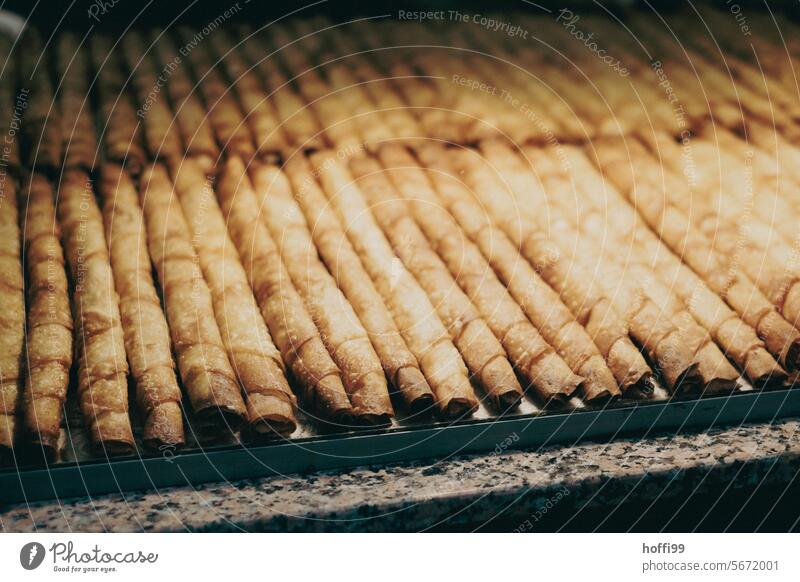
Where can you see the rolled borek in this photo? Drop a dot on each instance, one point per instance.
(756, 225)
(232, 132)
(146, 334)
(380, 90)
(296, 118)
(411, 308)
(372, 125)
(623, 257)
(102, 365)
(344, 336)
(119, 126)
(192, 122)
(540, 303)
(649, 325)
(531, 354)
(77, 127)
(49, 324)
(480, 349)
(283, 310)
(615, 215)
(258, 113)
(208, 378)
(42, 127)
(160, 130)
(590, 307)
(399, 363)
(12, 313)
(8, 102)
(255, 359)
(329, 106)
(672, 225)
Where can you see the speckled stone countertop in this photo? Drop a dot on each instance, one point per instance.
(425, 495)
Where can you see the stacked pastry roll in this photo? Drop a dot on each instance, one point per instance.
(368, 223)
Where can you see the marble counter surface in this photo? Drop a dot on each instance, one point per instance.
(517, 486)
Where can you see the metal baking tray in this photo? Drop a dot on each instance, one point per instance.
(312, 448)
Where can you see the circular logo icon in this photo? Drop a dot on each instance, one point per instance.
(31, 555)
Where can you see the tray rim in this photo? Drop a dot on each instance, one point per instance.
(392, 445)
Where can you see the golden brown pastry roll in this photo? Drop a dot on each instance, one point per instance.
(257, 107)
(152, 107)
(716, 372)
(696, 250)
(255, 359)
(119, 125)
(192, 121)
(399, 363)
(614, 215)
(650, 326)
(227, 119)
(480, 349)
(379, 88)
(416, 92)
(77, 126)
(302, 128)
(533, 356)
(291, 326)
(540, 303)
(13, 103)
(754, 225)
(102, 365)
(411, 308)
(340, 328)
(608, 239)
(12, 313)
(329, 106)
(591, 308)
(146, 334)
(42, 126)
(48, 355)
(208, 378)
(372, 124)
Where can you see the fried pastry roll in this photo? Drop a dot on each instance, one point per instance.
(673, 226)
(589, 305)
(160, 129)
(290, 324)
(102, 365)
(411, 308)
(615, 215)
(340, 329)
(12, 313)
(652, 328)
(146, 334)
(119, 126)
(399, 363)
(49, 324)
(540, 303)
(77, 126)
(208, 378)
(255, 359)
(481, 350)
(191, 118)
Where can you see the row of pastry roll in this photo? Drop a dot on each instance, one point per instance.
(216, 277)
(370, 82)
(427, 271)
(255, 90)
(747, 252)
(663, 304)
(314, 83)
